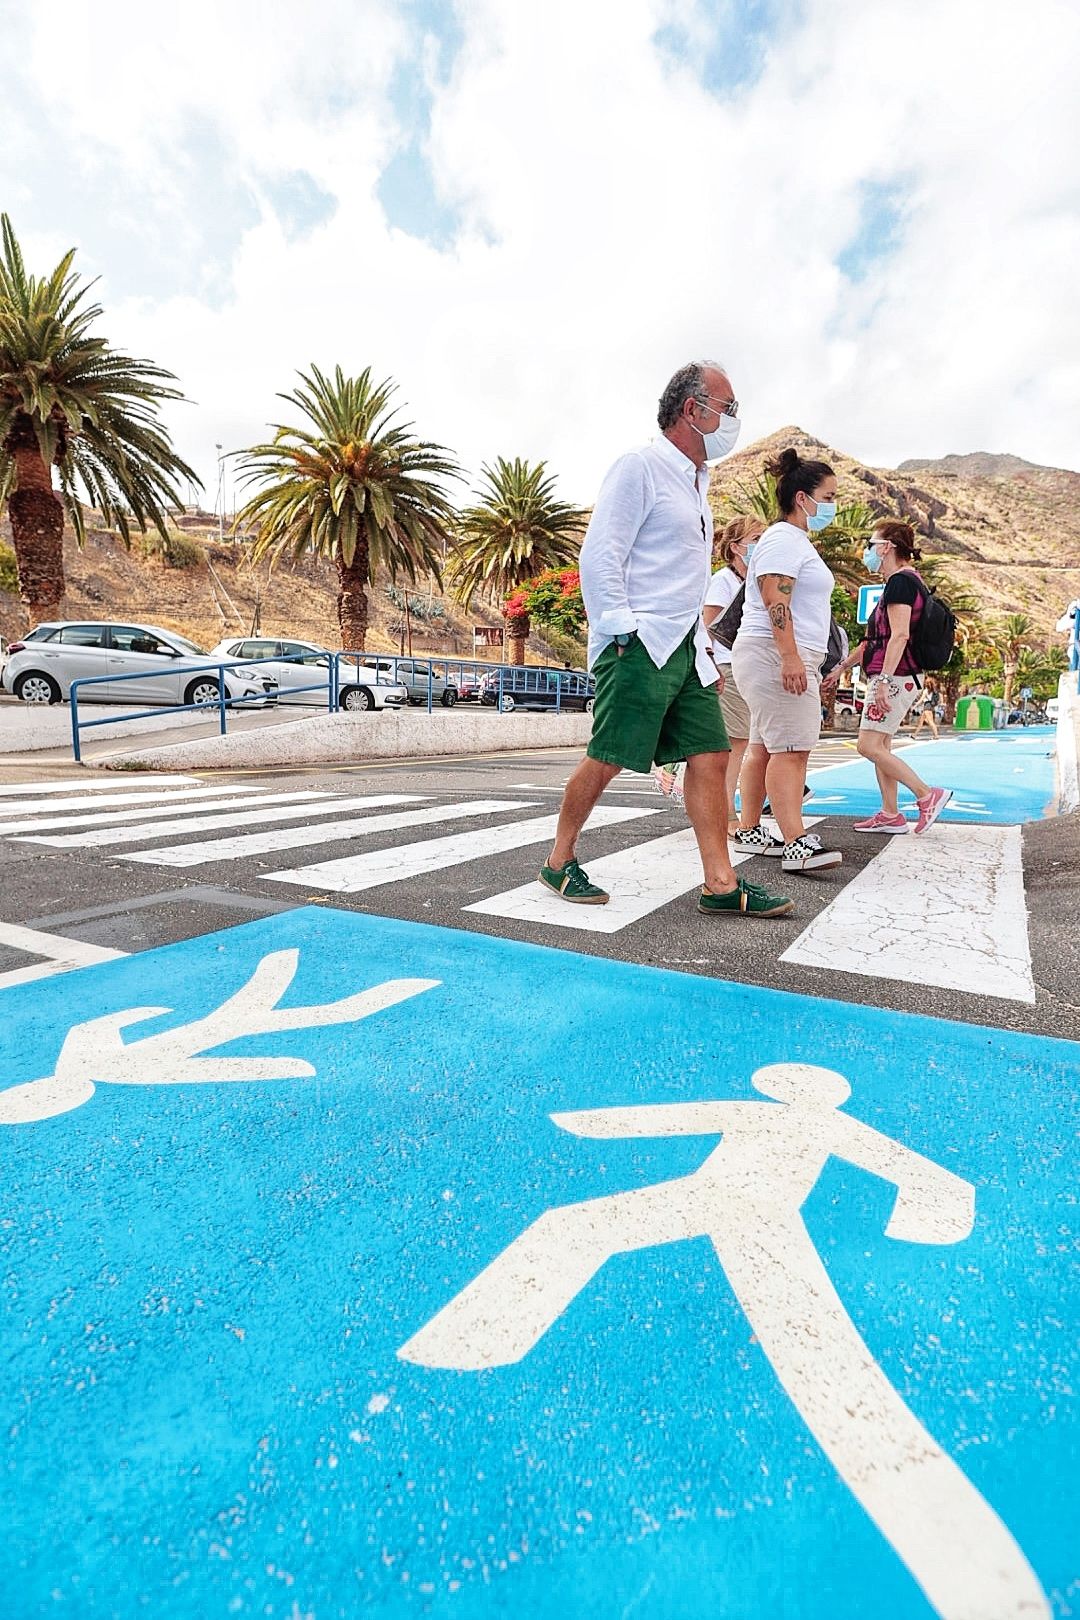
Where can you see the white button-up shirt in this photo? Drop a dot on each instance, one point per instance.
(647, 555)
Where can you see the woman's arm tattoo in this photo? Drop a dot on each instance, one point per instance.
(778, 613)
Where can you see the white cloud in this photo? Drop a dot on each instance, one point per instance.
(616, 218)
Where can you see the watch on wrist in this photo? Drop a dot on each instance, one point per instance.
(624, 638)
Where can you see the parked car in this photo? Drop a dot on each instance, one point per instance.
(524, 688)
(847, 711)
(418, 676)
(305, 663)
(41, 667)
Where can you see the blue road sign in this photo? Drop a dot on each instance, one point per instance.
(1000, 778)
(353, 1265)
(869, 597)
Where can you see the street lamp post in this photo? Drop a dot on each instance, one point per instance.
(221, 495)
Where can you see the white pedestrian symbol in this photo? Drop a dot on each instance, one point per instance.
(747, 1198)
(94, 1053)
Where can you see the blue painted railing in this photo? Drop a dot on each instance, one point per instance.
(502, 686)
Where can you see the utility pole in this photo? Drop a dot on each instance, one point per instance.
(221, 495)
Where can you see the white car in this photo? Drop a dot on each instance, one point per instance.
(41, 668)
(304, 663)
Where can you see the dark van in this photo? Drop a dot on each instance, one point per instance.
(524, 688)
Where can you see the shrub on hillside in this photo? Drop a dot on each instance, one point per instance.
(174, 549)
(9, 574)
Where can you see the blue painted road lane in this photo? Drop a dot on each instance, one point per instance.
(1002, 778)
(235, 1382)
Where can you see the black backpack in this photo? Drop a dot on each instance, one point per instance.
(934, 637)
(726, 627)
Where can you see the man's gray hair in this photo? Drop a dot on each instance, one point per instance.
(687, 383)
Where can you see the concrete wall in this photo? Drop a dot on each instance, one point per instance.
(1068, 744)
(338, 739)
(28, 727)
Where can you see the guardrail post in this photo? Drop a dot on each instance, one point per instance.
(502, 674)
(75, 745)
(430, 683)
(221, 697)
(333, 683)
(558, 693)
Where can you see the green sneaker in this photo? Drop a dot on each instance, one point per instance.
(571, 883)
(746, 899)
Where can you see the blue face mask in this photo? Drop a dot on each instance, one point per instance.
(823, 516)
(871, 560)
(751, 546)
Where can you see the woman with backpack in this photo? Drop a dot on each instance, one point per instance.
(733, 550)
(890, 660)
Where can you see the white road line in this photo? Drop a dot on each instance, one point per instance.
(369, 870)
(63, 954)
(278, 838)
(951, 912)
(286, 810)
(54, 812)
(640, 880)
(91, 784)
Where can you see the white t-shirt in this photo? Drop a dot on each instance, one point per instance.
(724, 587)
(785, 549)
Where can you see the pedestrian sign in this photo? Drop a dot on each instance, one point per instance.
(337, 1283)
(869, 597)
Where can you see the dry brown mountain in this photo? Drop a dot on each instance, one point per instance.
(217, 594)
(1009, 529)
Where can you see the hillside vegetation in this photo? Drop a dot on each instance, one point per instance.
(1009, 529)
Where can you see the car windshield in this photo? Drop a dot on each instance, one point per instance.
(185, 645)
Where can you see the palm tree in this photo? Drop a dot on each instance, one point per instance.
(353, 487)
(516, 530)
(1010, 637)
(70, 402)
(840, 545)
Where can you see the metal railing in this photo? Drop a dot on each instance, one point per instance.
(222, 703)
(433, 682)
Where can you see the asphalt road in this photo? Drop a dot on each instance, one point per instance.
(96, 896)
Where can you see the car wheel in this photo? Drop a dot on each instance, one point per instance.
(357, 697)
(449, 697)
(204, 691)
(507, 704)
(36, 688)
(588, 707)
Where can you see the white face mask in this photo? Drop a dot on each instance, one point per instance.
(722, 439)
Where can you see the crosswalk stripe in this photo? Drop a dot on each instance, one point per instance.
(640, 880)
(61, 955)
(374, 867)
(90, 784)
(246, 817)
(954, 917)
(278, 838)
(56, 813)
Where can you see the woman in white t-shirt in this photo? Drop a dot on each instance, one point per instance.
(778, 655)
(735, 548)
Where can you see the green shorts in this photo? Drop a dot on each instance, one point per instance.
(642, 713)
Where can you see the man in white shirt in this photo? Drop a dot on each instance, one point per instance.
(645, 565)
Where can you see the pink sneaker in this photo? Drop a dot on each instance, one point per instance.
(881, 823)
(931, 807)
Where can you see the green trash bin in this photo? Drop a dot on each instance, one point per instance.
(975, 714)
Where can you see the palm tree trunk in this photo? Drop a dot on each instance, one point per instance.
(352, 602)
(517, 633)
(37, 530)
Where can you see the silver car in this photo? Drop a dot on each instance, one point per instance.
(305, 664)
(41, 668)
(419, 676)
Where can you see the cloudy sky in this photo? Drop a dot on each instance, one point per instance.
(529, 215)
